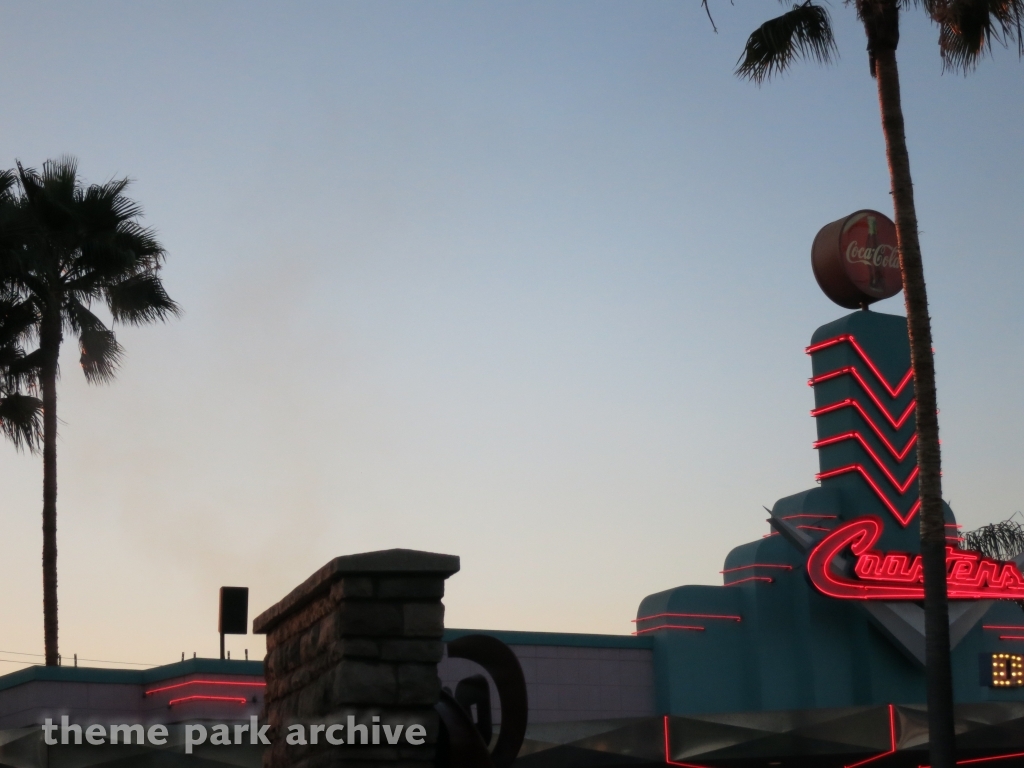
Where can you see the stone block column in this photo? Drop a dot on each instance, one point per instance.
(359, 638)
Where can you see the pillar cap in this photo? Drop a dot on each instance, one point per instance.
(398, 562)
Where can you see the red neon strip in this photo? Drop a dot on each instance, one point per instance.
(667, 626)
(812, 528)
(1011, 637)
(983, 759)
(864, 444)
(850, 403)
(892, 741)
(813, 517)
(688, 616)
(892, 727)
(893, 391)
(870, 393)
(238, 700)
(1002, 626)
(750, 578)
(986, 759)
(762, 565)
(202, 682)
(669, 751)
(895, 423)
(904, 519)
(953, 525)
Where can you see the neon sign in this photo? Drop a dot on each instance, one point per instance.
(896, 422)
(899, 575)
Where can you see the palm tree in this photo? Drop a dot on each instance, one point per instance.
(20, 413)
(79, 245)
(966, 31)
(1000, 541)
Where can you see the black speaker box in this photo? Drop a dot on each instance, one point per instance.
(234, 611)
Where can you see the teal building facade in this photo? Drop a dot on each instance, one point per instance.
(769, 638)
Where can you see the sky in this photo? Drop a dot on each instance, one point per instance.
(524, 282)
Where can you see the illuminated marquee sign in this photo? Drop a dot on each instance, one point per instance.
(898, 575)
(1002, 670)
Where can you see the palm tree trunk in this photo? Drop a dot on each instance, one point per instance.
(50, 342)
(933, 532)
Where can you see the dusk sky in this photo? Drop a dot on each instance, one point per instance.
(524, 282)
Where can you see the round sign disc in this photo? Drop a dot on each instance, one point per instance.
(856, 259)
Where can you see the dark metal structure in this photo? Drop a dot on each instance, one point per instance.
(464, 741)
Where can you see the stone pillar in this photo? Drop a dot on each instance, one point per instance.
(360, 637)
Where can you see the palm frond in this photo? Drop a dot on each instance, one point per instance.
(16, 320)
(140, 299)
(17, 324)
(1000, 541)
(968, 27)
(804, 32)
(21, 421)
(52, 195)
(22, 370)
(100, 353)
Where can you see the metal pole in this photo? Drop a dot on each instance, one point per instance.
(222, 646)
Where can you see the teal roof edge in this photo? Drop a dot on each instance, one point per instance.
(566, 639)
(237, 667)
(131, 676)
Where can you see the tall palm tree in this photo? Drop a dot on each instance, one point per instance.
(80, 245)
(20, 413)
(966, 31)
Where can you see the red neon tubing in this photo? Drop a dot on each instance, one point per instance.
(902, 488)
(903, 519)
(203, 682)
(1011, 637)
(984, 760)
(1002, 626)
(667, 626)
(896, 423)
(867, 448)
(750, 578)
(892, 741)
(970, 575)
(850, 403)
(987, 759)
(848, 337)
(812, 528)
(760, 565)
(688, 616)
(813, 517)
(236, 700)
(668, 751)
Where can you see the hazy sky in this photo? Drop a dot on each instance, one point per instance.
(525, 282)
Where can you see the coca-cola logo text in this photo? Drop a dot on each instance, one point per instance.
(882, 255)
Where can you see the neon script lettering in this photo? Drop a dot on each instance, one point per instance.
(900, 576)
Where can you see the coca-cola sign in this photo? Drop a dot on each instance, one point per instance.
(870, 254)
(856, 259)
